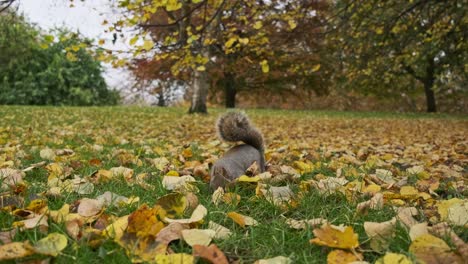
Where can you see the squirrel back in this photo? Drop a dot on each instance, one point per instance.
(235, 126)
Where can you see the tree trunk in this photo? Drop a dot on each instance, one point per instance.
(428, 85)
(200, 91)
(230, 90)
(161, 99)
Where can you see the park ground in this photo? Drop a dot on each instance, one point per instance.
(403, 174)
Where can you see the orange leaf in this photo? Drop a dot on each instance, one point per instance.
(210, 253)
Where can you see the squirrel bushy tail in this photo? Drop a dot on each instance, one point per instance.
(236, 126)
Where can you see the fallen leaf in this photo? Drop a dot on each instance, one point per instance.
(275, 260)
(180, 258)
(14, 250)
(198, 236)
(210, 253)
(380, 234)
(172, 183)
(303, 224)
(198, 214)
(391, 258)
(335, 237)
(339, 256)
(221, 231)
(242, 220)
(217, 196)
(418, 230)
(89, 207)
(430, 249)
(51, 245)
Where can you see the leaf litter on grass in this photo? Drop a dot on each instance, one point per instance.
(73, 176)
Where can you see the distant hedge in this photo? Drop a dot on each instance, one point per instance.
(36, 69)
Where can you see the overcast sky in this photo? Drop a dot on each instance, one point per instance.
(86, 17)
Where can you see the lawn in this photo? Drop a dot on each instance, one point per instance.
(332, 163)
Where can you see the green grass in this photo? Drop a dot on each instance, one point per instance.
(77, 128)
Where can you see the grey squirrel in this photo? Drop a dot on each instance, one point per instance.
(232, 127)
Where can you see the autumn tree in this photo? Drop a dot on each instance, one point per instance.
(386, 47)
(228, 37)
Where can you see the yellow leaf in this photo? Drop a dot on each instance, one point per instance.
(173, 5)
(292, 24)
(148, 45)
(335, 237)
(102, 42)
(51, 245)
(14, 250)
(172, 173)
(180, 258)
(391, 258)
(244, 41)
(339, 256)
(201, 68)
(430, 249)
(265, 66)
(245, 178)
(315, 68)
(230, 41)
(133, 40)
(258, 25)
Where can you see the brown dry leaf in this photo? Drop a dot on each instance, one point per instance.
(277, 195)
(335, 237)
(339, 256)
(391, 258)
(405, 215)
(210, 253)
(89, 207)
(443, 230)
(418, 230)
(252, 170)
(242, 220)
(380, 234)
(168, 234)
(303, 224)
(124, 172)
(7, 236)
(221, 231)
(198, 236)
(375, 203)
(39, 221)
(14, 250)
(73, 228)
(430, 249)
(51, 245)
(172, 182)
(10, 177)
